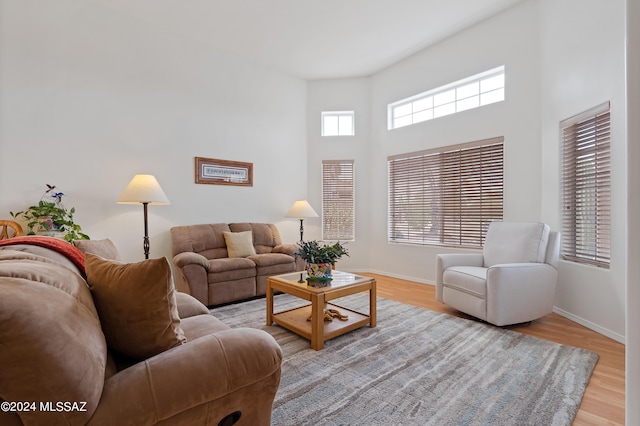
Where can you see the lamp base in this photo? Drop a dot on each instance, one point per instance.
(301, 230)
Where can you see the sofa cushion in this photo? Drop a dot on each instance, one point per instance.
(515, 242)
(202, 325)
(239, 244)
(467, 279)
(228, 268)
(271, 259)
(136, 303)
(103, 248)
(52, 345)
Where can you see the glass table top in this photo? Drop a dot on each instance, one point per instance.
(339, 278)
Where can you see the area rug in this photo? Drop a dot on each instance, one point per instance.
(419, 367)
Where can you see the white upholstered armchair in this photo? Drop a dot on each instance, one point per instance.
(512, 281)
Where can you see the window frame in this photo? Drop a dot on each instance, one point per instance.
(337, 191)
(585, 184)
(436, 199)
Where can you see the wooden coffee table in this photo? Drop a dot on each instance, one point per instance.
(317, 330)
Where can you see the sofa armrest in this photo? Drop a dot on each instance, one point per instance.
(444, 261)
(189, 306)
(191, 276)
(289, 249)
(188, 258)
(194, 377)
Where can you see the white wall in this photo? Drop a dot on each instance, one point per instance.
(582, 66)
(633, 212)
(500, 40)
(90, 97)
(341, 95)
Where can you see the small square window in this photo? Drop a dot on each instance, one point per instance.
(338, 123)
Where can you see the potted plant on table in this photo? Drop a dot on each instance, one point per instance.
(49, 217)
(320, 259)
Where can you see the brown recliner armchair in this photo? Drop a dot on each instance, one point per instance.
(58, 369)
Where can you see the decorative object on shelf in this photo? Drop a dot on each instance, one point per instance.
(330, 314)
(144, 189)
(301, 209)
(223, 172)
(320, 260)
(51, 217)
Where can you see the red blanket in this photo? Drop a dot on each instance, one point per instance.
(69, 250)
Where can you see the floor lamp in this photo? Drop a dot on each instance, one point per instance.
(301, 210)
(145, 190)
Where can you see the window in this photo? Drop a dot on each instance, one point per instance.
(338, 123)
(446, 196)
(586, 187)
(338, 200)
(472, 92)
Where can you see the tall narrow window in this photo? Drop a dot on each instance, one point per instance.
(586, 187)
(338, 200)
(447, 195)
(338, 123)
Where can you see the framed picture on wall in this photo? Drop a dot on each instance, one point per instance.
(223, 172)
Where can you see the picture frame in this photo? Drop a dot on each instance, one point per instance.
(223, 172)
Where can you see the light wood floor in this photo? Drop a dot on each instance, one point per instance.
(604, 398)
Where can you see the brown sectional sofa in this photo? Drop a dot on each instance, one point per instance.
(55, 347)
(203, 261)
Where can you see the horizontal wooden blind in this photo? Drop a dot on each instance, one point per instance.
(586, 187)
(446, 196)
(338, 200)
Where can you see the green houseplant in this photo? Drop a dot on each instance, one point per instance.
(50, 216)
(320, 258)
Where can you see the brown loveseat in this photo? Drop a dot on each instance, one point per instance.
(59, 365)
(216, 271)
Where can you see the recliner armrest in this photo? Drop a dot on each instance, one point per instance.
(518, 292)
(460, 259)
(188, 258)
(191, 375)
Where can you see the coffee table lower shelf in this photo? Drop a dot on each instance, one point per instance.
(296, 320)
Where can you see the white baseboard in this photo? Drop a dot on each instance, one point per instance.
(592, 326)
(392, 275)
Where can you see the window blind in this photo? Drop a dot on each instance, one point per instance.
(338, 200)
(586, 187)
(446, 196)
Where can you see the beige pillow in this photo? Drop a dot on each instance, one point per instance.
(136, 303)
(239, 244)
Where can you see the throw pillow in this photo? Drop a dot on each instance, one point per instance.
(136, 303)
(239, 244)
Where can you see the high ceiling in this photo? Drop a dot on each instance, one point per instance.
(314, 39)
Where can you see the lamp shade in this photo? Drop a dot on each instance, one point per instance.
(143, 189)
(301, 209)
